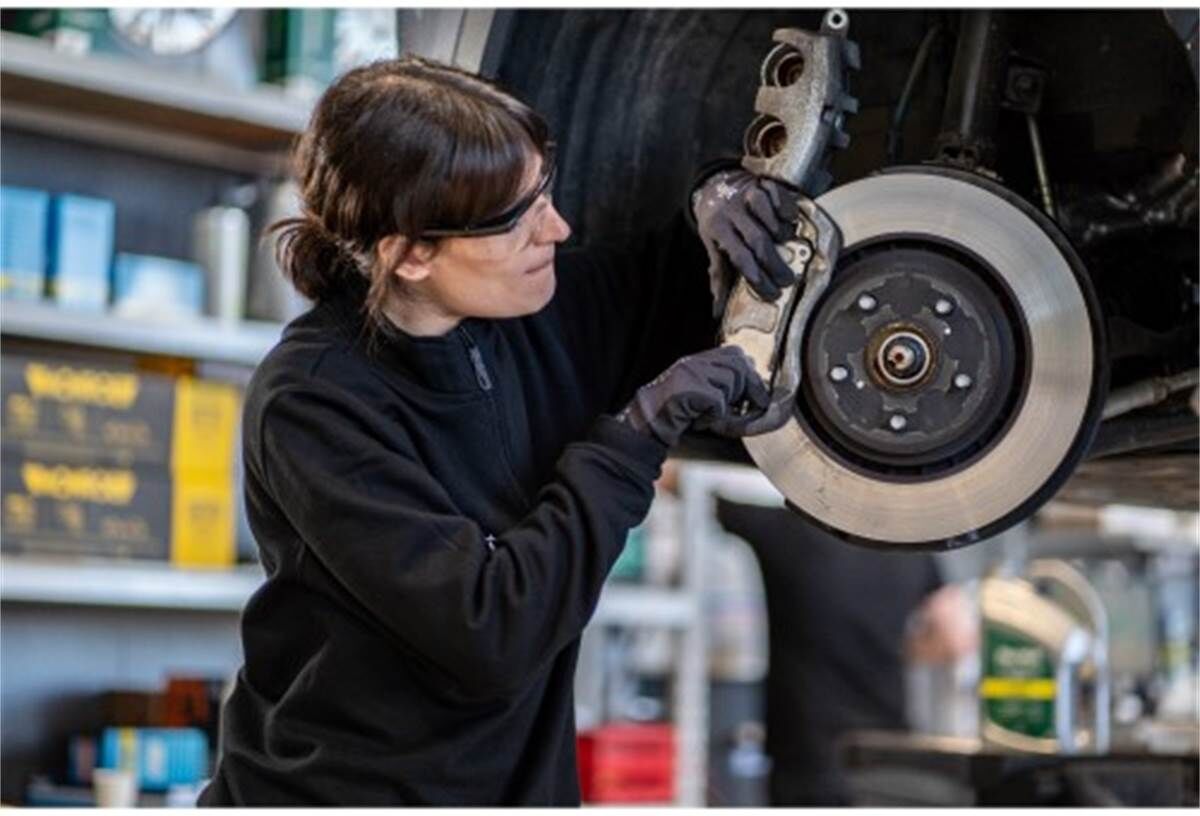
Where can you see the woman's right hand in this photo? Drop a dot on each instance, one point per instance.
(705, 391)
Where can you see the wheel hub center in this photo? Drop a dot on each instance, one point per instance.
(904, 357)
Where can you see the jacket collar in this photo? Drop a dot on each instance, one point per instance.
(442, 363)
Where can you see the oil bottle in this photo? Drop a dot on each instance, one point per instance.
(1044, 670)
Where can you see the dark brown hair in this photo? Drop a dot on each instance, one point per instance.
(396, 147)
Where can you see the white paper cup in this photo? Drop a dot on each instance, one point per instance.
(114, 787)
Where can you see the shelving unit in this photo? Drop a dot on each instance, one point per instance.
(129, 105)
(243, 342)
(155, 585)
(151, 585)
(35, 73)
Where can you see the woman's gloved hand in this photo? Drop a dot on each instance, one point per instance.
(703, 391)
(740, 218)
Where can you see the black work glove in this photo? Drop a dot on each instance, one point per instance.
(702, 391)
(740, 218)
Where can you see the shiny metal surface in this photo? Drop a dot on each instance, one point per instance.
(1060, 372)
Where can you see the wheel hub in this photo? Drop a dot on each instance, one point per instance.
(952, 367)
(920, 356)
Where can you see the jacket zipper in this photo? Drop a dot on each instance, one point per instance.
(481, 372)
(485, 383)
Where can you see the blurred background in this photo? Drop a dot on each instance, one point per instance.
(738, 656)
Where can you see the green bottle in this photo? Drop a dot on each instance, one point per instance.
(1044, 673)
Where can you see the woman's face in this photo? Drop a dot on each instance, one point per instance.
(500, 276)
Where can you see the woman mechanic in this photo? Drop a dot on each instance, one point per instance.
(444, 456)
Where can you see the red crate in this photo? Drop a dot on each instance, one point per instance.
(627, 762)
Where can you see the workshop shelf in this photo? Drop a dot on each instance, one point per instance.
(98, 582)
(244, 342)
(640, 605)
(101, 582)
(34, 73)
(127, 105)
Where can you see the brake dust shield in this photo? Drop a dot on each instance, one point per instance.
(952, 367)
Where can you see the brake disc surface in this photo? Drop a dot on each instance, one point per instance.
(953, 368)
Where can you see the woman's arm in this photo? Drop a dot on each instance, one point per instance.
(487, 613)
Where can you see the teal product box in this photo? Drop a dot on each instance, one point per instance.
(299, 53)
(24, 214)
(72, 31)
(81, 245)
(632, 561)
(154, 287)
(162, 757)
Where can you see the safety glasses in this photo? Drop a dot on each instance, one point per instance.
(508, 219)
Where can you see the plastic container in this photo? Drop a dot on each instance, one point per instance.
(627, 763)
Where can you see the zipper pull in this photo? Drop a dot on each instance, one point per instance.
(481, 372)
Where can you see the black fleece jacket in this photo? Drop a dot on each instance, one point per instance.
(436, 517)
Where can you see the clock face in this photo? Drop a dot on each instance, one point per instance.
(170, 30)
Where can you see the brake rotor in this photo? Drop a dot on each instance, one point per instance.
(953, 369)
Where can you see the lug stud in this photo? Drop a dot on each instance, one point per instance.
(866, 302)
(838, 373)
(962, 381)
(943, 306)
(898, 422)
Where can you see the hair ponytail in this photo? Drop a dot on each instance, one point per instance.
(314, 260)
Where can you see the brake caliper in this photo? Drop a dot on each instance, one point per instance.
(801, 108)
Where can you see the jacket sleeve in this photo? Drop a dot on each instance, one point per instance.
(629, 312)
(486, 614)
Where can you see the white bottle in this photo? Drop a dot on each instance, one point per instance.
(221, 244)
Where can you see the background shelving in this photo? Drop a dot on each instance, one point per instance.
(204, 338)
(97, 582)
(155, 585)
(127, 104)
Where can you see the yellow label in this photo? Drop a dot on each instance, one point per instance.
(111, 389)
(22, 414)
(20, 512)
(127, 749)
(202, 524)
(1024, 688)
(92, 484)
(205, 422)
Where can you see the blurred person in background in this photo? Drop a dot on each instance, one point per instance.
(842, 622)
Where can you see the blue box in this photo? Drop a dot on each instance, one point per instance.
(81, 245)
(24, 216)
(162, 757)
(154, 287)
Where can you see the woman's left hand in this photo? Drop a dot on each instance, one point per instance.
(741, 218)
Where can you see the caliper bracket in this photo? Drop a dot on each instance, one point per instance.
(770, 333)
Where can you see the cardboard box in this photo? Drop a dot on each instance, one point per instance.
(102, 415)
(81, 246)
(154, 287)
(24, 219)
(51, 508)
